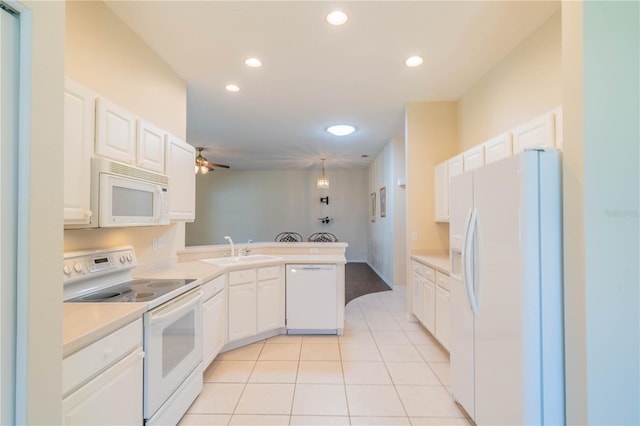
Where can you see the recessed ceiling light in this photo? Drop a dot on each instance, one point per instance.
(341, 129)
(337, 17)
(414, 61)
(232, 88)
(253, 62)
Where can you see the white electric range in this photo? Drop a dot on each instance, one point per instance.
(172, 324)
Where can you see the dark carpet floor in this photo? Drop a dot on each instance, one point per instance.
(359, 280)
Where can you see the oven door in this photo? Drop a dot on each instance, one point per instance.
(173, 347)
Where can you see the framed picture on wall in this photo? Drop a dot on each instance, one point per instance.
(373, 206)
(383, 201)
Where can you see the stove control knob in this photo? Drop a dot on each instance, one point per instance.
(78, 267)
(123, 259)
(129, 258)
(67, 270)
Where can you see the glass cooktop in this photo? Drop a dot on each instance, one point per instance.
(141, 290)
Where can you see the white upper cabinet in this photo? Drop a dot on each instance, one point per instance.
(79, 131)
(498, 148)
(539, 132)
(441, 183)
(115, 132)
(473, 158)
(150, 147)
(456, 165)
(179, 166)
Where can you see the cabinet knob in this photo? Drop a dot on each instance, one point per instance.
(78, 267)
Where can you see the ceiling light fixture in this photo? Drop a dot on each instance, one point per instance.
(341, 129)
(337, 17)
(232, 88)
(323, 182)
(253, 62)
(414, 61)
(204, 166)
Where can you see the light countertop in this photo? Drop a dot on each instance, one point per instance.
(439, 262)
(85, 323)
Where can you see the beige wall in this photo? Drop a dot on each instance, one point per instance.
(39, 351)
(103, 54)
(430, 139)
(524, 85)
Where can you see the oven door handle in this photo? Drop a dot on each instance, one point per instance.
(176, 307)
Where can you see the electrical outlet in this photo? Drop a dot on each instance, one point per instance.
(314, 250)
(154, 244)
(414, 236)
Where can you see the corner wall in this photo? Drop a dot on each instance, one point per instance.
(523, 85)
(106, 56)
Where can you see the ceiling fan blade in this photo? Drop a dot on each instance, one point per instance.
(211, 165)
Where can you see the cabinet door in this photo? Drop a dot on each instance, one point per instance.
(442, 192)
(79, 133)
(456, 165)
(242, 311)
(429, 306)
(498, 148)
(443, 318)
(115, 132)
(539, 132)
(112, 398)
(473, 158)
(214, 327)
(270, 306)
(179, 166)
(150, 147)
(417, 293)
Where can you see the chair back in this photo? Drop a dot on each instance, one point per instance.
(288, 237)
(322, 237)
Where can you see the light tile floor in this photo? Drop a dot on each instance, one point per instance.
(384, 370)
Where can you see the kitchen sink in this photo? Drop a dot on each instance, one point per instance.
(252, 258)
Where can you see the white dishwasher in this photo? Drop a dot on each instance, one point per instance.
(312, 299)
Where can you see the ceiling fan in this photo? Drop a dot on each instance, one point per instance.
(204, 166)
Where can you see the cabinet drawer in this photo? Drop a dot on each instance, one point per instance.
(429, 273)
(442, 280)
(212, 287)
(268, 273)
(81, 366)
(242, 277)
(416, 267)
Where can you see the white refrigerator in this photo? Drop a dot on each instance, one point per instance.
(507, 341)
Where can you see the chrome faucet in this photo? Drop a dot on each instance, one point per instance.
(228, 238)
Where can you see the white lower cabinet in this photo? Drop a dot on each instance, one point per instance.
(417, 289)
(270, 299)
(431, 300)
(443, 313)
(214, 319)
(242, 310)
(104, 375)
(429, 305)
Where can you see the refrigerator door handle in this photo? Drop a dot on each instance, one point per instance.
(466, 261)
(469, 280)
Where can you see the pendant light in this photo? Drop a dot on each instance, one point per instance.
(323, 182)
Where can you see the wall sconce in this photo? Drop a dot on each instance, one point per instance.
(325, 200)
(323, 182)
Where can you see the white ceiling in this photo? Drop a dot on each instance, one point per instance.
(315, 74)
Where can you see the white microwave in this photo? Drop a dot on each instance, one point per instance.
(123, 195)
